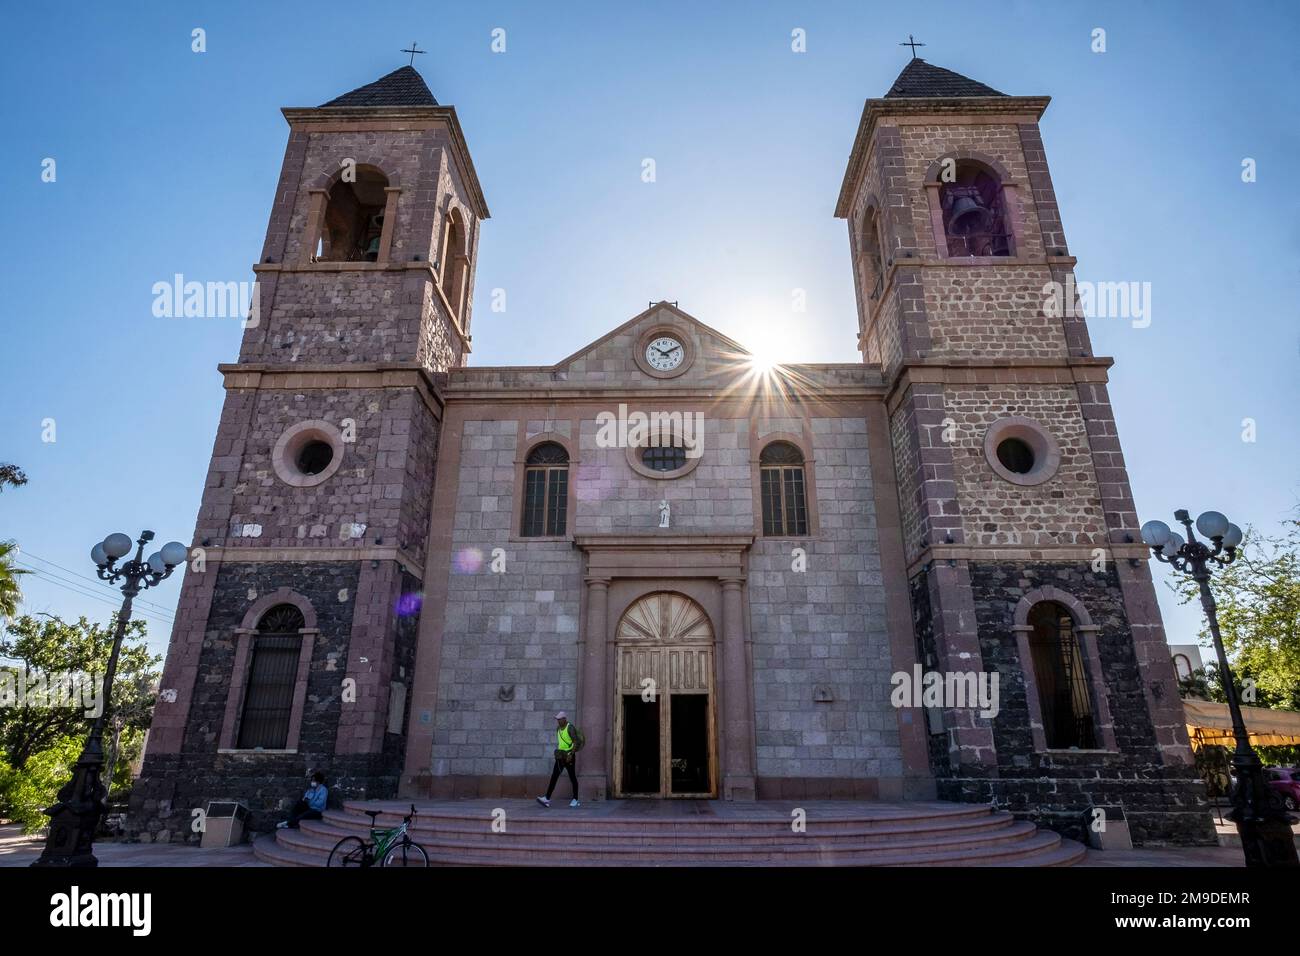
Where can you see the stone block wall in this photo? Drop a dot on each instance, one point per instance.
(821, 655)
(510, 639)
(174, 784)
(1163, 804)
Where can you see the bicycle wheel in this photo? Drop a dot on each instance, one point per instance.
(407, 854)
(350, 851)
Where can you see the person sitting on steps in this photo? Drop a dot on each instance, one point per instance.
(311, 806)
(568, 741)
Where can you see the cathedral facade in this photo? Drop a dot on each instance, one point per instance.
(741, 582)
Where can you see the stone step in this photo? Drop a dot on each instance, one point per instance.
(322, 841)
(526, 814)
(569, 830)
(458, 833)
(1042, 849)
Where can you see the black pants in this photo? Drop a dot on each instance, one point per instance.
(301, 811)
(560, 765)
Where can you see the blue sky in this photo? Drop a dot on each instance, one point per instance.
(167, 162)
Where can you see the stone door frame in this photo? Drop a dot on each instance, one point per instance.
(711, 569)
(663, 653)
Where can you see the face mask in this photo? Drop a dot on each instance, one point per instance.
(314, 784)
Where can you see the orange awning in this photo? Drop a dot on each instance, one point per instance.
(1211, 723)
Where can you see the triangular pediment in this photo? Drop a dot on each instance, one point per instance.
(620, 354)
(639, 355)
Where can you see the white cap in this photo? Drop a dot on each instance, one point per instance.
(561, 716)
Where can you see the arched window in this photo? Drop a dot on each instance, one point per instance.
(870, 261)
(454, 261)
(272, 675)
(1061, 678)
(785, 505)
(354, 218)
(974, 213)
(1182, 666)
(546, 491)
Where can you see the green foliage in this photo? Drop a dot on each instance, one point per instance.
(39, 744)
(1258, 599)
(26, 793)
(51, 646)
(11, 475)
(10, 593)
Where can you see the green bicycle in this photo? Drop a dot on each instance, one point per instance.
(390, 847)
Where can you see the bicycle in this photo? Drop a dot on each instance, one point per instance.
(386, 847)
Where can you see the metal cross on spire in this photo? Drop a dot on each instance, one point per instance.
(911, 41)
(414, 50)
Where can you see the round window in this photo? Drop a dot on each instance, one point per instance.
(664, 457)
(1016, 456)
(315, 457)
(1021, 451)
(308, 453)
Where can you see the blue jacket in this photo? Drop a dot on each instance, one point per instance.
(316, 796)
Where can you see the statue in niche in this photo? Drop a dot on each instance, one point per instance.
(664, 513)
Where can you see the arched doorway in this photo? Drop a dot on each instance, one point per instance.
(664, 739)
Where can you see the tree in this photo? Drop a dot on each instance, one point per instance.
(11, 475)
(11, 594)
(51, 646)
(1258, 599)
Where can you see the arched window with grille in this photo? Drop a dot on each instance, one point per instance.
(1061, 677)
(785, 504)
(272, 676)
(546, 491)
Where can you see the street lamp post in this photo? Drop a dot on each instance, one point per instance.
(1262, 821)
(83, 800)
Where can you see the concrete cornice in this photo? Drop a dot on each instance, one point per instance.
(673, 540)
(1063, 553)
(1065, 370)
(273, 554)
(515, 394)
(257, 375)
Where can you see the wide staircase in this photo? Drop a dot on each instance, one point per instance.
(513, 832)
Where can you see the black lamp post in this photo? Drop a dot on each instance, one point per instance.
(1262, 821)
(83, 800)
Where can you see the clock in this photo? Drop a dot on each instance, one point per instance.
(664, 354)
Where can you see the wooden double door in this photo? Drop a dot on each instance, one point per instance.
(664, 720)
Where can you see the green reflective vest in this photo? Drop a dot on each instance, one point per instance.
(562, 739)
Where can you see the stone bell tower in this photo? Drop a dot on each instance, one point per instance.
(1019, 526)
(294, 640)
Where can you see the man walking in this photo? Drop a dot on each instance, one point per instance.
(568, 741)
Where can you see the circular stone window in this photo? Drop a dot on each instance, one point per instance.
(315, 457)
(1021, 451)
(308, 453)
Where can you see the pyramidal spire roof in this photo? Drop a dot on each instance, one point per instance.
(923, 79)
(402, 87)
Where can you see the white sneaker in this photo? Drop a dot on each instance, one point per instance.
(543, 801)
(574, 802)
(282, 825)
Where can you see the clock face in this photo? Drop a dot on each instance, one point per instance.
(664, 354)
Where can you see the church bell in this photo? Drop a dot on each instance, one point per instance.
(968, 214)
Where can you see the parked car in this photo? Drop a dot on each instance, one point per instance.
(1286, 781)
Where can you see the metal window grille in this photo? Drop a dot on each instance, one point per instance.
(782, 490)
(1062, 681)
(272, 677)
(546, 491)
